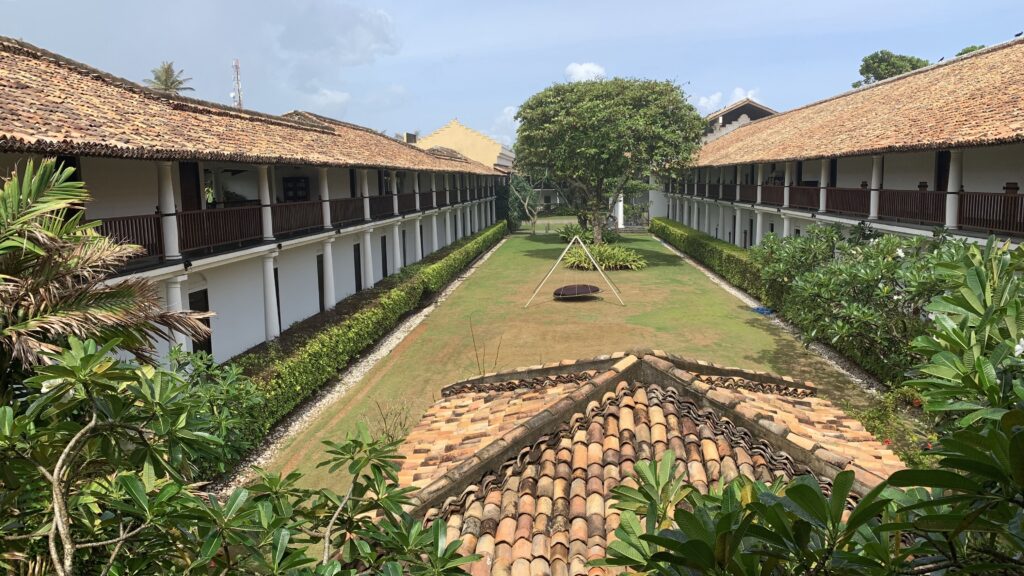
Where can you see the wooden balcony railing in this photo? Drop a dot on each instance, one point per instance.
(426, 200)
(296, 217)
(441, 201)
(381, 207)
(914, 206)
(140, 230)
(406, 203)
(804, 197)
(748, 193)
(346, 211)
(200, 230)
(715, 191)
(773, 195)
(851, 201)
(992, 212)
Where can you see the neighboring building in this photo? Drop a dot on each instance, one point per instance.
(522, 465)
(472, 144)
(939, 146)
(733, 116)
(264, 220)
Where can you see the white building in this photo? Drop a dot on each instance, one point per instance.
(264, 220)
(942, 146)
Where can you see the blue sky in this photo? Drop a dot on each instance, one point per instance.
(413, 65)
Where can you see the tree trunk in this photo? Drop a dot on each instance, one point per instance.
(598, 225)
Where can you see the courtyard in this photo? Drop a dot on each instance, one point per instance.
(483, 327)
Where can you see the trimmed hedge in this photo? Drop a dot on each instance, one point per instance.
(726, 260)
(287, 371)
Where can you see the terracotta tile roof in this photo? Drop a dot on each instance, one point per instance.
(973, 100)
(534, 496)
(53, 105)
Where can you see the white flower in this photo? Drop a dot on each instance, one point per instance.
(899, 253)
(1018, 350)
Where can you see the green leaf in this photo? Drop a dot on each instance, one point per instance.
(136, 491)
(933, 479)
(841, 486)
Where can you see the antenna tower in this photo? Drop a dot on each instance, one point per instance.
(237, 94)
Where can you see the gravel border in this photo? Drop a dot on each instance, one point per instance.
(305, 413)
(826, 352)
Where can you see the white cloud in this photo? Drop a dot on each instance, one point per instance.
(707, 104)
(505, 126)
(326, 98)
(581, 72)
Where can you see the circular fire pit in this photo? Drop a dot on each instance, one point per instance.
(576, 291)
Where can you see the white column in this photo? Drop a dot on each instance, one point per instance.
(787, 182)
(722, 234)
(265, 210)
(419, 239)
(458, 222)
(394, 191)
(736, 173)
(787, 226)
(329, 295)
(737, 229)
(325, 199)
(174, 304)
(758, 226)
(620, 212)
(397, 252)
(433, 193)
(876, 185)
(416, 188)
(760, 182)
(956, 179)
(363, 179)
(823, 184)
(168, 213)
(448, 225)
(271, 326)
(367, 260)
(433, 232)
(447, 195)
(685, 220)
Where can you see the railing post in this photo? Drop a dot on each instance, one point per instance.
(325, 200)
(362, 178)
(433, 189)
(394, 191)
(329, 297)
(956, 177)
(266, 212)
(876, 186)
(758, 226)
(788, 182)
(823, 184)
(433, 232)
(398, 251)
(416, 188)
(737, 228)
(760, 182)
(168, 212)
(447, 194)
(271, 325)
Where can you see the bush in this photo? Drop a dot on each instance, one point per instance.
(608, 256)
(567, 232)
(728, 261)
(307, 356)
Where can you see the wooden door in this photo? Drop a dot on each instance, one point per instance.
(191, 187)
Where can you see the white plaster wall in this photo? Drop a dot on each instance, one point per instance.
(378, 260)
(989, 169)
(904, 171)
(244, 183)
(282, 172)
(297, 283)
(659, 203)
(123, 187)
(850, 172)
(344, 265)
(236, 296)
(811, 171)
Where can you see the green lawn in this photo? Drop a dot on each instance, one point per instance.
(670, 305)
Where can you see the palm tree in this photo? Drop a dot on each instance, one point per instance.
(167, 79)
(56, 277)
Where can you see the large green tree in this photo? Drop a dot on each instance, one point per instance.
(166, 79)
(601, 139)
(885, 64)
